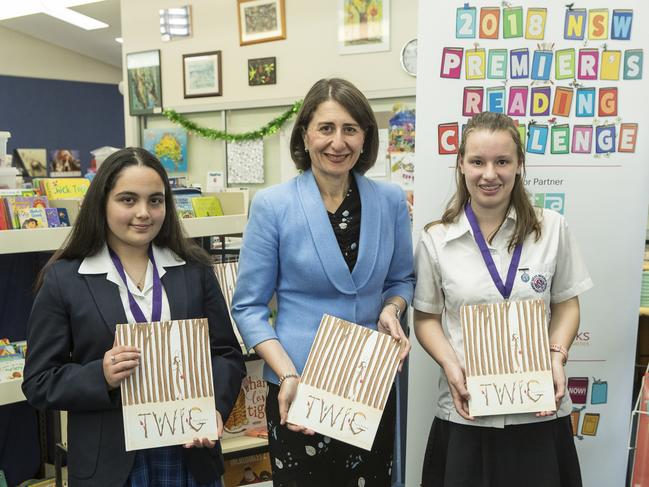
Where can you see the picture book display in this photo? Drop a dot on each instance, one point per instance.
(169, 400)
(346, 382)
(507, 354)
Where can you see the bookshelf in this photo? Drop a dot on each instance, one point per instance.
(233, 221)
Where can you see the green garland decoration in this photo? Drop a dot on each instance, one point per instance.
(270, 128)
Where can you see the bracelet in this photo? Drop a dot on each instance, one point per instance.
(555, 347)
(287, 376)
(398, 313)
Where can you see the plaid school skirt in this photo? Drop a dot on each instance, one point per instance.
(162, 467)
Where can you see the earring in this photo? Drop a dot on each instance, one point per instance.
(306, 149)
(361, 151)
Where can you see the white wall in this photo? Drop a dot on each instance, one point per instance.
(26, 56)
(309, 52)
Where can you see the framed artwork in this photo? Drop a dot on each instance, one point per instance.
(262, 71)
(364, 26)
(144, 82)
(202, 74)
(261, 21)
(175, 23)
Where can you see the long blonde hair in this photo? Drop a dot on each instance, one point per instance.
(527, 221)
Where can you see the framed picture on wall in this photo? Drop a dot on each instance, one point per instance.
(364, 26)
(261, 21)
(262, 71)
(202, 74)
(144, 82)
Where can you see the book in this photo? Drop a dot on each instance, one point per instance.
(34, 161)
(184, 206)
(53, 220)
(65, 188)
(207, 206)
(4, 216)
(248, 416)
(64, 219)
(64, 163)
(346, 382)
(11, 367)
(170, 398)
(29, 218)
(248, 470)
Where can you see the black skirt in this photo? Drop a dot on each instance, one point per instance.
(539, 454)
(299, 460)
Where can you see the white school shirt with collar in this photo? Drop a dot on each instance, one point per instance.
(451, 273)
(101, 263)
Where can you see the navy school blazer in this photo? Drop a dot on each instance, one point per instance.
(72, 325)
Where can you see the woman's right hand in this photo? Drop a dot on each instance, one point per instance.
(285, 398)
(120, 362)
(457, 385)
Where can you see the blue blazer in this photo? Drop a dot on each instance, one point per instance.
(290, 249)
(72, 325)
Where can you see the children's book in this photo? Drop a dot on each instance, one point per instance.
(248, 470)
(68, 188)
(346, 382)
(34, 161)
(169, 400)
(52, 215)
(207, 206)
(11, 367)
(64, 219)
(184, 206)
(29, 218)
(4, 216)
(249, 411)
(64, 163)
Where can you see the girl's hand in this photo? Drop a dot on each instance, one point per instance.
(206, 442)
(389, 324)
(120, 362)
(285, 398)
(457, 384)
(559, 379)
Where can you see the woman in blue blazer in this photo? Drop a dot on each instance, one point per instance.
(126, 241)
(328, 241)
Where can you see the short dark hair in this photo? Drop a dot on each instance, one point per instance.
(352, 100)
(88, 234)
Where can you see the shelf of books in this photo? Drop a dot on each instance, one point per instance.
(232, 221)
(10, 392)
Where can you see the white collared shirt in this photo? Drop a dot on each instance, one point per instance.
(451, 273)
(101, 263)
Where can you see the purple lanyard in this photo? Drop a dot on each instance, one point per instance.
(156, 312)
(504, 289)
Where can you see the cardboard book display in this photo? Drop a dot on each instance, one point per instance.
(169, 400)
(346, 382)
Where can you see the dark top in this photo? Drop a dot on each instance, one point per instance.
(346, 223)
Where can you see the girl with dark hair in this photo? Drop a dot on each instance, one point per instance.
(328, 241)
(126, 260)
(489, 230)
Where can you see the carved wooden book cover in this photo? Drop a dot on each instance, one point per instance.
(346, 382)
(507, 358)
(169, 399)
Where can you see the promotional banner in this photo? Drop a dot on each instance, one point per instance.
(572, 76)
